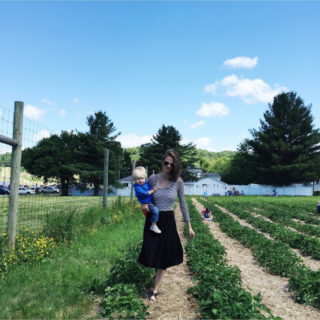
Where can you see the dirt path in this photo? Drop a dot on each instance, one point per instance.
(309, 262)
(173, 302)
(273, 289)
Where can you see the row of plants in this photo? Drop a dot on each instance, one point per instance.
(308, 245)
(275, 256)
(218, 286)
(286, 215)
(284, 208)
(61, 227)
(124, 285)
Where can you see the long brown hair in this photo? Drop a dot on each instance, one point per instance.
(176, 170)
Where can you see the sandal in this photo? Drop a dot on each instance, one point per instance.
(153, 296)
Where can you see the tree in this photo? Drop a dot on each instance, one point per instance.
(90, 155)
(53, 157)
(240, 169)
(166, 138)
(285, 149)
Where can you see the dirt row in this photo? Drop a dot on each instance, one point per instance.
(309, 262)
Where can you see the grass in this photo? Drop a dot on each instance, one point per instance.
(60, 286)
(33, 209)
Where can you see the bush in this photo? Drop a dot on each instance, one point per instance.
(60, 226)
(30, 247)
(122, 302)
(127, 270)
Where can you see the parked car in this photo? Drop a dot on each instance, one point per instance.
(26, 191)
(4, 190)
(30, 191)
(36, 189)
(22, 190)
(49, 189)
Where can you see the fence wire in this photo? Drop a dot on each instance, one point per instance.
(36, 201)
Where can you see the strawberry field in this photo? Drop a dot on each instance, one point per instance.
(282, 235)
(258, 259)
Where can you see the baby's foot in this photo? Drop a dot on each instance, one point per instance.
(155, 228)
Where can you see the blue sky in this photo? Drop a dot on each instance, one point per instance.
(207, 68)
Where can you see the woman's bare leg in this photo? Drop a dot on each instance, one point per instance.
(157, 282)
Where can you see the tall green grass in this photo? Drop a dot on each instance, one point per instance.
(60, 286)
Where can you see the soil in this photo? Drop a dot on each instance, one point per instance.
(273, 289)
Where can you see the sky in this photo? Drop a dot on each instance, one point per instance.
(208, 68)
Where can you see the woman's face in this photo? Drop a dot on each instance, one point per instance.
(167, 164)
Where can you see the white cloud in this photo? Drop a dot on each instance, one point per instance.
(249, 90)
(0, 112)
(76, 100)
(41, 134)
(132, 140)
(241, 62)
(213, 109)
(211, 88)
(63, 112)
(197, 124)
(201, 143)
(33, 112)
(48, 102)
(204, 143)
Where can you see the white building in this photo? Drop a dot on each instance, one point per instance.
(126, 190)
(209, 182)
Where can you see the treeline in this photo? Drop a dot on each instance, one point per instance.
(77, 157)
(284, 150)
(207, 161)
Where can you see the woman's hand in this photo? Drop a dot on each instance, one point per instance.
(191, 232)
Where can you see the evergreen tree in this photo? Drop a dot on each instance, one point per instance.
(168, 137)
(101, 135)
(285, 149)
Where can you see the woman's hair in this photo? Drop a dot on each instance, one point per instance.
(139, 172)
(176, 170)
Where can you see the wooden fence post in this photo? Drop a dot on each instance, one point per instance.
(133, 166)
(15, 173)
(105, 178)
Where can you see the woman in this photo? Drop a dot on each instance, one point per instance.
(161, 251)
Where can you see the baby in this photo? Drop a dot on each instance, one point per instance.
(144, 194)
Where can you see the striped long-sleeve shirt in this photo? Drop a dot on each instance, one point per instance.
(164, 198)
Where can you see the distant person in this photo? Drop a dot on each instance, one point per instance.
(274, 192)
(207, 214)
(205, 195)
(144, 193)
(318, 207)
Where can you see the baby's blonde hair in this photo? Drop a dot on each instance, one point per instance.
(139, 172)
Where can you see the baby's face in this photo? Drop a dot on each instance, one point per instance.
(140, 180)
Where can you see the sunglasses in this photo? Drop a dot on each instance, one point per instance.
(166, 163)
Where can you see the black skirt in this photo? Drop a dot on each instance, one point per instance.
(161, 251)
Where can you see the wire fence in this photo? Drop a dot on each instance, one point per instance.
(36, 199)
